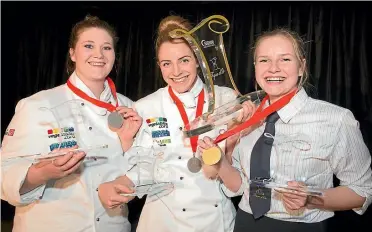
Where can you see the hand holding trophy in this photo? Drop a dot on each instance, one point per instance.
(207, 43)
(69, 135)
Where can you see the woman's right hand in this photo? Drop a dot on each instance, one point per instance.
(56, 168)
(60, 166)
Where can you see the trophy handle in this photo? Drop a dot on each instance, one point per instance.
(191, 38)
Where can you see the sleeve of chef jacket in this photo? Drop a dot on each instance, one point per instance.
(24, 135)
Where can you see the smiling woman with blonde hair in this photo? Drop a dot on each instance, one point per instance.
(335, 147)
(196, 203)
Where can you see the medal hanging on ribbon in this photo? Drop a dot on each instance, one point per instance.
(213, 155)
(194, 164)
(114, 120)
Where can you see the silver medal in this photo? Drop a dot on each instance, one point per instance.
(194, 165)
(115, 120)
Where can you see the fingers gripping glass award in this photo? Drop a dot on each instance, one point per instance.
(66, 126)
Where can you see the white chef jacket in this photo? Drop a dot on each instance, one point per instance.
(70, 203)
(196, 203)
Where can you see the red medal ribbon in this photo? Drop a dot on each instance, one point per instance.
(94, 101)
(181, 109)
(258, 115)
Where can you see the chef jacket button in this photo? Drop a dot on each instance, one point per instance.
(97, 219)
(183, 209)
(215, 205)
(180, 128)
(90, 128)
(96, 189)
(82, 104)
(179, 157)
(181, 178)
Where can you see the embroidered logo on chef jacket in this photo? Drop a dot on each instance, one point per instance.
(159, 130)
(65, 133)
(65, 136)
(64, 144)
(9, 132)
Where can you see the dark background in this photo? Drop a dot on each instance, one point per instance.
(35, 36)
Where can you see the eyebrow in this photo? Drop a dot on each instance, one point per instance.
(285, 54)
(177, 59)
(90, 41)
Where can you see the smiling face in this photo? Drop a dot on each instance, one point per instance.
(178, 65)
(93, 54)
(277, 68)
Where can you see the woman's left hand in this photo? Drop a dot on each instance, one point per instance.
(210, 171)
(131, 125)
(293, 199)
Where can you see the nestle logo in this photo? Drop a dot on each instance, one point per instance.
(207, 44)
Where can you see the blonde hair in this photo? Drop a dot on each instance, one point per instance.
(167, 25)
(298, 46)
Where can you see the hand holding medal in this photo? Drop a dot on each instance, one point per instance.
(118, 115)
(211, 155)
(125, 121)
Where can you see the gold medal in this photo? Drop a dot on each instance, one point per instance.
(212, 155)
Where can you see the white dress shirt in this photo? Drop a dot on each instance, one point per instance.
(196, 203)
(325, 141)
(70, 203)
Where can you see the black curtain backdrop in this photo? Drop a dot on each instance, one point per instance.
(35, 36)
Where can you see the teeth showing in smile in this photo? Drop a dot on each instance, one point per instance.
(275, 79)
(97, 63)
(179, 80)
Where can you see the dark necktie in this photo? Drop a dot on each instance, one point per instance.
(259, 197)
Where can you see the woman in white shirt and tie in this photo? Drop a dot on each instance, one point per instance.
(304, 141)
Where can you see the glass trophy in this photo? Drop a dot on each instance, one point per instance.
(292, 160)
(206, 41)
(153, 177)
(68, 127)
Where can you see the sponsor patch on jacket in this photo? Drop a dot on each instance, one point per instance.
(159, 130)
(65, 133)
(64, 144)
(9, 132)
